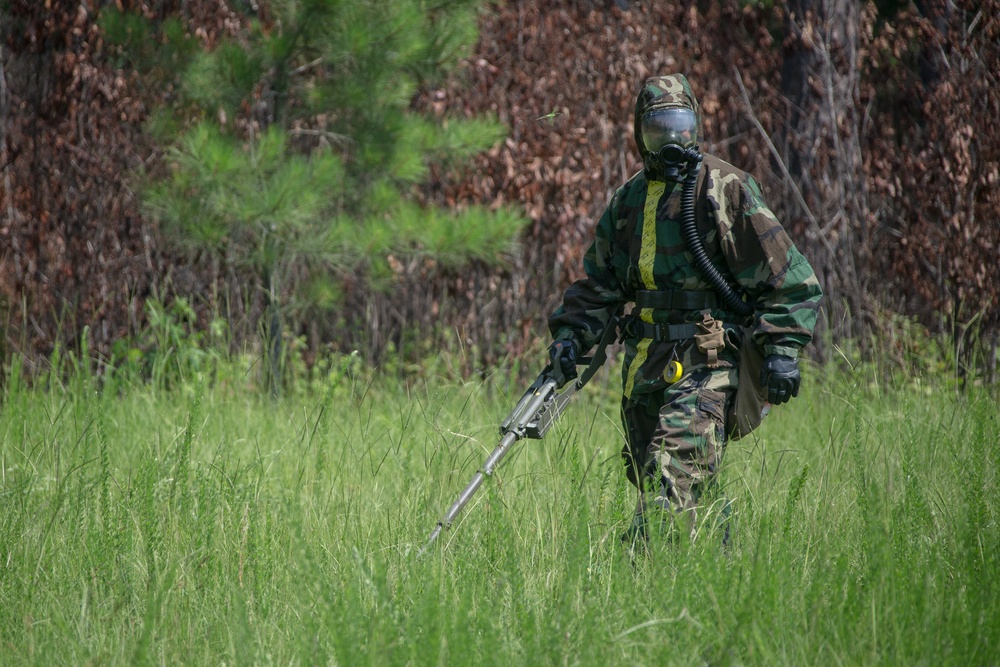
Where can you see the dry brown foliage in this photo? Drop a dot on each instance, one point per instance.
(890, 184)
(934, 161)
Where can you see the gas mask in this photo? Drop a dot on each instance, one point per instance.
(670, 138)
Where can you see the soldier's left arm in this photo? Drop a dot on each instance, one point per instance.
(765, 262)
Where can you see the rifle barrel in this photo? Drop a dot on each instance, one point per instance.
(463, 499)
(531, 418)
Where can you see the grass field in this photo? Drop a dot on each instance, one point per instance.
(210, 525)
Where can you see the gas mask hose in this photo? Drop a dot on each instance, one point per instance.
(690, 233)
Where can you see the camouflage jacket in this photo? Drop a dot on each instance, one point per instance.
(638, 246)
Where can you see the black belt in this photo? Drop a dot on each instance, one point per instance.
(636, 328)
(675, 300)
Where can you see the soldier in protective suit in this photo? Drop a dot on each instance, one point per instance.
(684, 216)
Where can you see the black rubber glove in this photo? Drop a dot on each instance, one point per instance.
(780, 376)
(562, 358)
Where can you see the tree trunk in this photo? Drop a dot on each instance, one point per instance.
(272, 331)
(8, 196)
(4, 152)
(820, 144)
(991, 363)
(932, 61)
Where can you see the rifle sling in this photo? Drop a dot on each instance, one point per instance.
(600, 355)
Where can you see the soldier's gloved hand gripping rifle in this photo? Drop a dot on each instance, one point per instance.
(533, 415)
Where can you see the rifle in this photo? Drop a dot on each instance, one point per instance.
(531, 418)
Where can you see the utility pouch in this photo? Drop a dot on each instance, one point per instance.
(749, 406)
(711, 338)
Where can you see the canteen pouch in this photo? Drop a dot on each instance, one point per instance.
(711, 338)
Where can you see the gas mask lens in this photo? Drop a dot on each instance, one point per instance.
(669, 126)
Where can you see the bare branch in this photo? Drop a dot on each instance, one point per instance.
(332, 137)
(781, 163)
(305, 68)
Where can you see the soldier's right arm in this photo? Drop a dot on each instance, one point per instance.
(590, 303)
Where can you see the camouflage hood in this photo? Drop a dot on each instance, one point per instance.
(669, 91)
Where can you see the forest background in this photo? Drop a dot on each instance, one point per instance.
(874, 127)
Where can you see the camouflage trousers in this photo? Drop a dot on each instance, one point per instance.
(676, 440)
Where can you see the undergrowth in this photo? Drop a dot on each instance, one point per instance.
(205, 523)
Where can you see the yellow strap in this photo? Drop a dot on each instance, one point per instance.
(647, 254)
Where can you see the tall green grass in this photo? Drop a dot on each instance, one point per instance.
(210, 525)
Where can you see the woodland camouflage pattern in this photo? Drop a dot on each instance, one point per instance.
(675, 449)
(638, 246)
(676, 431)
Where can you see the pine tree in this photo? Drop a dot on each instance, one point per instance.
(292, 149)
